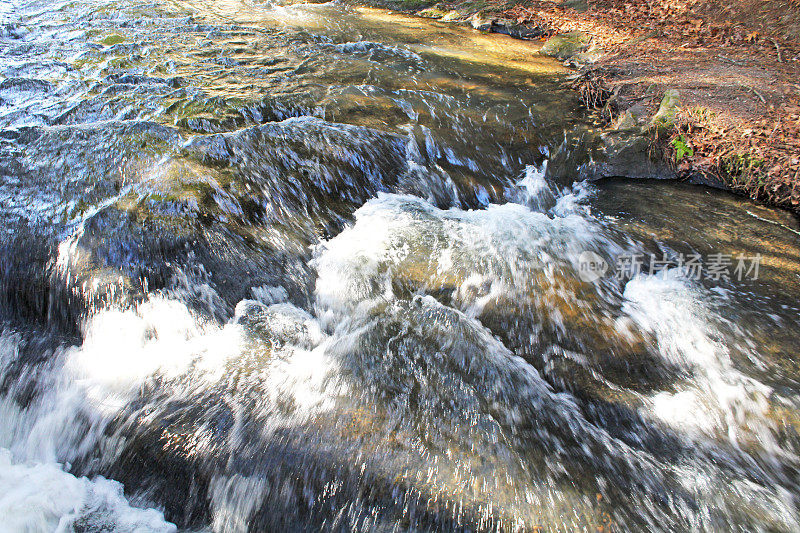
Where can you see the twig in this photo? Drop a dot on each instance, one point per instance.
(763, 101)
(731, 61)
(777, 49)
(784, 226)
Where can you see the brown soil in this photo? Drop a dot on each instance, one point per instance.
(736, 64)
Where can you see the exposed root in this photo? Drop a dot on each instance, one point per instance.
(592, 85)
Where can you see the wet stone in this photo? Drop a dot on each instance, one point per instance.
(565, 45)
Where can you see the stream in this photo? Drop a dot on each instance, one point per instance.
(317, 267)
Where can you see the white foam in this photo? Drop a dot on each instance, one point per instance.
(86, 387)
(43, 497)
(160, 337)
(233, 501)
(718, 400)
(396, 235)
(299, 369)
(268, 294)
(536, 189)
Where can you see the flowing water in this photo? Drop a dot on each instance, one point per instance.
(289, 268)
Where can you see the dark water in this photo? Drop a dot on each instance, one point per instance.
(302, 268)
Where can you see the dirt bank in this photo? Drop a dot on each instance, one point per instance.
(735, 65)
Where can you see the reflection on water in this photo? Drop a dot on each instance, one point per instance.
(299, 268)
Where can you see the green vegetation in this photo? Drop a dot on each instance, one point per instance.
(682, 148)
(742, 167)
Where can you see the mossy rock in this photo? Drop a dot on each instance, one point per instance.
(452, 16)
(566, 45)
(434, 12)
(668, 110)
(113, 39)
(578, 5)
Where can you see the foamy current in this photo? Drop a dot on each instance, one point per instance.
(324, 268)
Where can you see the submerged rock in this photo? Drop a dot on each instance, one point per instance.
(566, 45)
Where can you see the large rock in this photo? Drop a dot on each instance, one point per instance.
(633, 118)
(668, 110)
(625, 153)
(518, 31)
(585, 59)
(629, 154)
(566, 45)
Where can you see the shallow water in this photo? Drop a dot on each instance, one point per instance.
(301, 267)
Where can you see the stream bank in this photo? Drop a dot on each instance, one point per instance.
(702, 91)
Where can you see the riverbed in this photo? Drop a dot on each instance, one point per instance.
(306, 267)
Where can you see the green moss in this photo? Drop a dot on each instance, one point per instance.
(113, 39)
(668, 110)
(742, 167)
(434, 12)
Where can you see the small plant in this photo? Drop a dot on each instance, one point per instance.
(742, 168)
(682, 148)
(703, 115)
